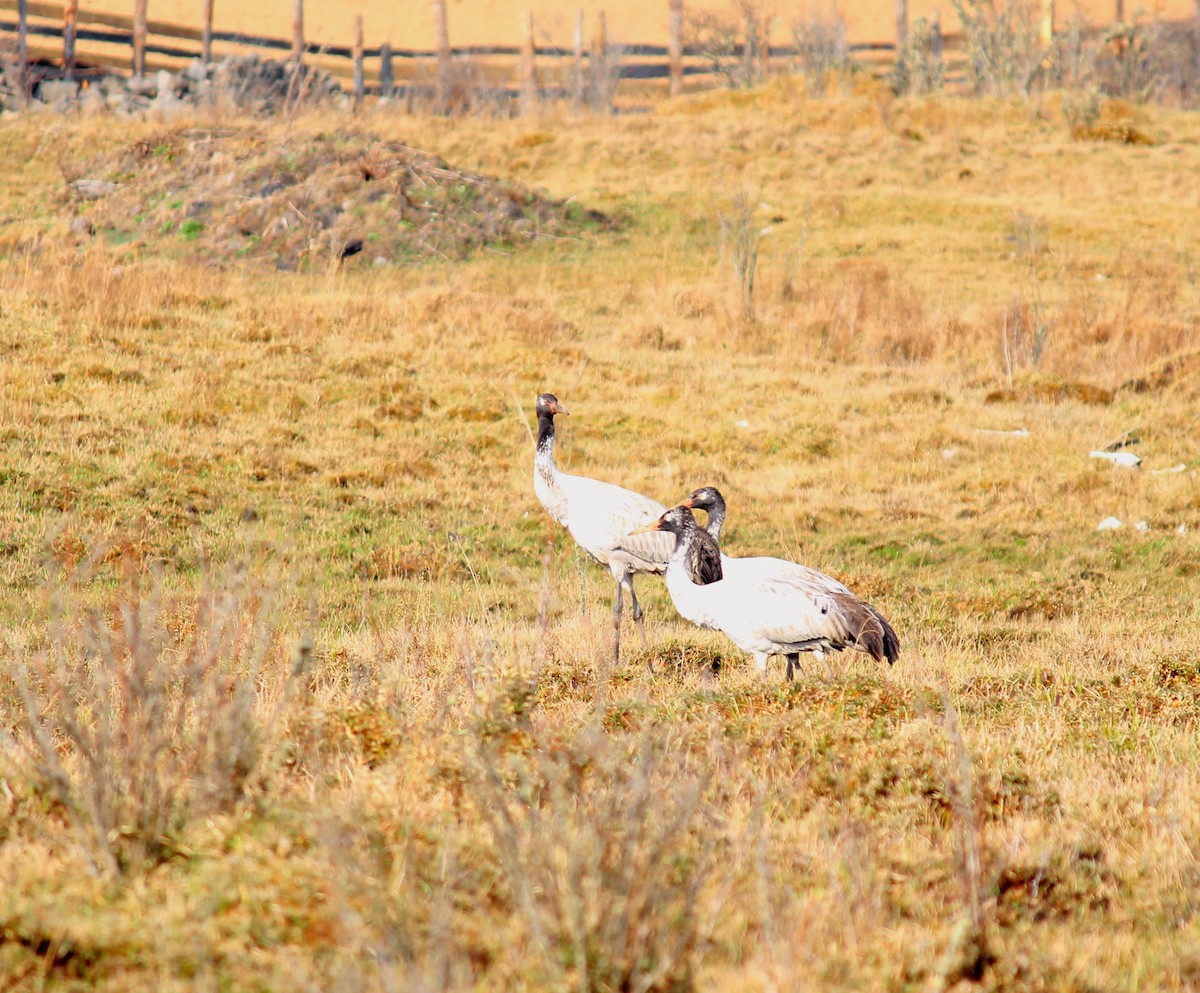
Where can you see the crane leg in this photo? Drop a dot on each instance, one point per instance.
(617, 625)
(637, 610)
(824, 660)
(793, 660)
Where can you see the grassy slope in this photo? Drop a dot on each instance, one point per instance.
(370, 418)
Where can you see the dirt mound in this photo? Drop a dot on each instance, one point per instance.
(302, 200)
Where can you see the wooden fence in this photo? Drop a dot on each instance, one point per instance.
(50, 34)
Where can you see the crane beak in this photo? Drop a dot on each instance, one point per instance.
(647, 528)
(690, 503)
(558, 408)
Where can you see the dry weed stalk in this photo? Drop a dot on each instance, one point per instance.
(741, 239)
(137, 722)
(969, 954)
(606, 845)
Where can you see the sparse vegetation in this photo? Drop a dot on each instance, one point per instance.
(456, 790)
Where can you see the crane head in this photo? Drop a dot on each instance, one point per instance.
(548, 403)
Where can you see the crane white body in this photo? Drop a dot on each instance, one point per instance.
(599, 516)
(770, 606)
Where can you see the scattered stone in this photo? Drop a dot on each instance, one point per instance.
(58, 93)
(1141, 526)
(1109, 524)
(1126, 460)
(141, 86)
(93, 189)
(80, 225)
(248, 82)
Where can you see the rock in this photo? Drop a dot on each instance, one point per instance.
(92, 100)
(93, 189)
(81, 226)
(1125, 459)
(198, 208)
(196, 71)
(141, 86)
(166, 84)
(58, 93)
(1109, 524)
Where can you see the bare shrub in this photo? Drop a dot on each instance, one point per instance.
(919, 67)
(605, 847)
(821, 51)
(603, 77)
(1004, 53)
(1026, 324)
(139, 718)
(1150, 61)
(731, 43)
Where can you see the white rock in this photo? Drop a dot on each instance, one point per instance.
(949, 453)
(742, 424)
(1174, 468)
(1141, 526)
(1108, 524)
(1126, 459)
(1182, 529)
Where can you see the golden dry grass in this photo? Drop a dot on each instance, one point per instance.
(463, 796)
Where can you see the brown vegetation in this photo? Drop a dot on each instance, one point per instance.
(397, 756)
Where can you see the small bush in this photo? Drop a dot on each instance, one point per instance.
(138, 718)
(605, 847)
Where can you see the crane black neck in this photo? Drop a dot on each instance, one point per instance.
(545, 440)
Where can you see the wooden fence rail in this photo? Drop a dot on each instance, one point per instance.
(519, 70)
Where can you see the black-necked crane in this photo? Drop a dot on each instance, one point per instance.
(771, 611)
(600, 517)
(710, 500)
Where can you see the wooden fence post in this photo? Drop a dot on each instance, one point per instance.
(764, 48)
(359, 84)
(70, 16)
(387, 78)
(675, 45)
(529, 85)
(749, 46)
(1046, 32)
(577, 94)
(599, 60)
(901, 25)
(206, 33)
(298, 32)
(23, 49)
(139, 37)
(442, 28)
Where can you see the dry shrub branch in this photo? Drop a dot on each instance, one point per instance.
(137, 717)
(606, 845)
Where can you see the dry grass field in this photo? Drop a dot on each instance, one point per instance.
(301, 690)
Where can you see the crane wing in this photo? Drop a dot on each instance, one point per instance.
(602, 515)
